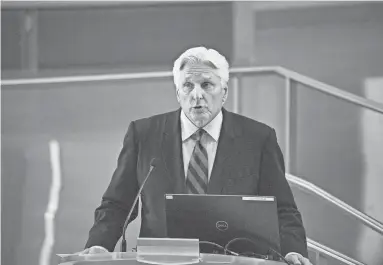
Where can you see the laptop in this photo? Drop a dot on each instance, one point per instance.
(249, 223)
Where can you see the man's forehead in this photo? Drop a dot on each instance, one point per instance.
(200, 70)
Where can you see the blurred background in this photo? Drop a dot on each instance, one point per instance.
(312, 70)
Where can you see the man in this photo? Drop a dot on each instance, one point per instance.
(201, 148)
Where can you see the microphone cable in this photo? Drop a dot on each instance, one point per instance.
(255, 254)
(219, 246)
(245, 254)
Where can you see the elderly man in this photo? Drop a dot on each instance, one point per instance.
(202, 148)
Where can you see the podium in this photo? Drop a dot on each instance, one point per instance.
(119, 258)
(162, 251)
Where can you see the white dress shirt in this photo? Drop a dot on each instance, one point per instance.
(209, 139)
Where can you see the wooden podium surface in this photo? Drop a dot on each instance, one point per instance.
(130, 258)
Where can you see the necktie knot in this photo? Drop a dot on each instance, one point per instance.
(197, 136)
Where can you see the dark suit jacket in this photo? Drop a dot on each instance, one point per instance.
(248, 162)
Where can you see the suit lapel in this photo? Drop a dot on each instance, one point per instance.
(172, 151)
(226, 148)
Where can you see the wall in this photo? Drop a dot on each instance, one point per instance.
(11, 22)
(120, 36)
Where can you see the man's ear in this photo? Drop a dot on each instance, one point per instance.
(226, 93)
(178, 95)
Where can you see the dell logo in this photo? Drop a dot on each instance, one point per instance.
(222, 225)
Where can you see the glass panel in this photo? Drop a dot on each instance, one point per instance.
(332, 227)
(334, 144)
(321, 259)
(262, 97)
(337, 146)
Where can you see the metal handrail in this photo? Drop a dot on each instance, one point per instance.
(366, 219)
(86, 78)
(332, 253)
(314, 84)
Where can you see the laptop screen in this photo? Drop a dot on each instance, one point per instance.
(248, 223)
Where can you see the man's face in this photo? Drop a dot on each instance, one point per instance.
(200, 93)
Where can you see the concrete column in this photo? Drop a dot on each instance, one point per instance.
(29, 41)
(371, 243)
(243, 33)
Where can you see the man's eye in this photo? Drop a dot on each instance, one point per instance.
(207, 85)
(188, 85)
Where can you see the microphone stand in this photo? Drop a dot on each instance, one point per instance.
(123, 241)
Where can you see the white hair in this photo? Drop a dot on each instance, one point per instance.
(210, 57)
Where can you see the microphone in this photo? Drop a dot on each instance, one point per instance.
(153, 164)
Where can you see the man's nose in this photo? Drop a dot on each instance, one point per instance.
(198, 92)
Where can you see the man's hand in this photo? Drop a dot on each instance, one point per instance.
(93, 250)
(297, 259)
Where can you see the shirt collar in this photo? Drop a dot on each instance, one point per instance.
(213, 128)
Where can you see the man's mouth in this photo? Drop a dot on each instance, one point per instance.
(198, 109)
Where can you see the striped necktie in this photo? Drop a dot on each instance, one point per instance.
(197, 174)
